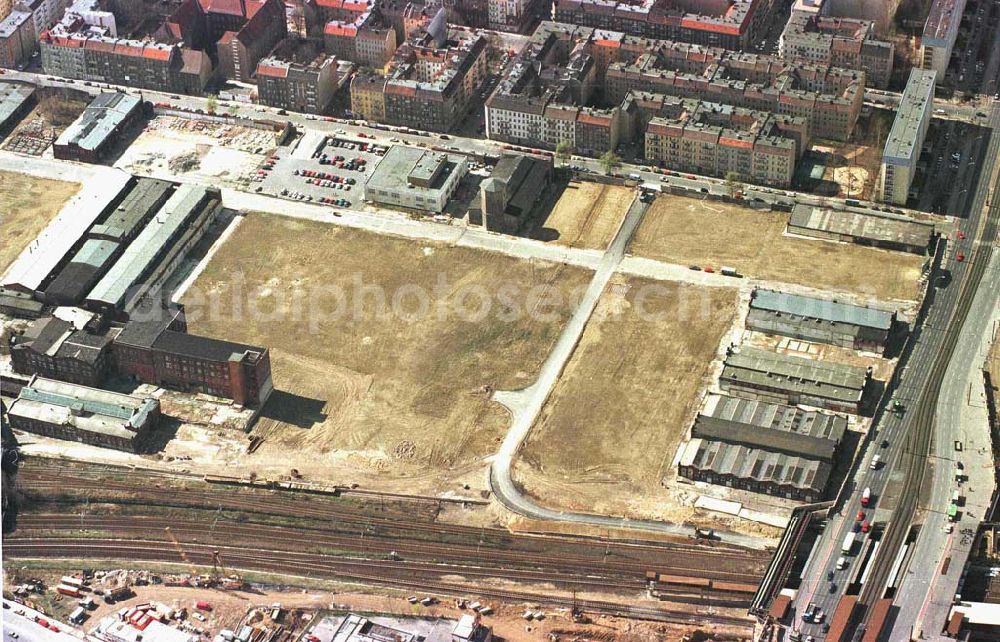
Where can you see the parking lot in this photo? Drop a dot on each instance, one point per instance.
(321, 169)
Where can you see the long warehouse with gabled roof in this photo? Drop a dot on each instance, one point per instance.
(771, 376)
(34, 265)
(820, 320)
(88, 138)
(762, 447)
(156, 251)
(106, 241)
(877, 229)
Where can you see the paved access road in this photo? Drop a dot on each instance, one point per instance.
(889, 485)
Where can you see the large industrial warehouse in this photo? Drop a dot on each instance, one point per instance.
(820, 320)
(762, 447)
(770, 376)
(80, 413)
(876, 229)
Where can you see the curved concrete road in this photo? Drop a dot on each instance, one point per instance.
(525, 405)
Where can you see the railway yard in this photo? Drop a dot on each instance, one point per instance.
(84, 512)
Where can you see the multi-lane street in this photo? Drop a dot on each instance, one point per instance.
(901, 438)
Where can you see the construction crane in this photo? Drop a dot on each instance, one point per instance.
(221, 574)
(200, 580)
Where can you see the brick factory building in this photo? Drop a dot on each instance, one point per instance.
(98, 128)
(88, 415)
(733, 24)
(820, 321)
(54, 348)
(779, 378)
(160, 352)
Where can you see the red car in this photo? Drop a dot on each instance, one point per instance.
(865, 526)
(861, 516)
(960, 257)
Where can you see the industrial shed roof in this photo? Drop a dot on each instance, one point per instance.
(780, 441)
(874, 226)
(100, 119)
(759, 465)
(12, 96)
(760, 368)
(38, 260)
(144, 250)
(820, 309)
(85, 408)
(145, 197)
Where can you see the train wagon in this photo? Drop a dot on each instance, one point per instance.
(684, 580)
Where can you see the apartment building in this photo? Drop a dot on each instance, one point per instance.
(302, 87)
(430, 83)
(829, 97)
(239, 34)
(839, 42)
(18, 39)
(719, 140)
(906, 138)
(516, 15)
(940, 32)
(84, 45)
(733, 24)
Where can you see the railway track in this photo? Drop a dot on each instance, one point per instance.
(921, 428)
(308, 540)
(40, 485)
(325, 567)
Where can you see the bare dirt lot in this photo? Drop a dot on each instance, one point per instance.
(52, 114)
(27, 204)
(220, 154)
(613, 422)
(229, 608)
(587, 215)
(712, 233)
(364, 380)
